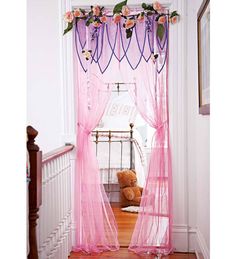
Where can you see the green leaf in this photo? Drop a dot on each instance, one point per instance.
(128, 33)
(174, 13)
(160, 31)
(144, 5)
(157, 17)
(150, 7)
(118, 7)
(147, 7)
(89, 21)
(82, 10)
(140, 14)
(69, 28)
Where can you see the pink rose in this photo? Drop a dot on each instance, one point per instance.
(140, 18)
(174, 19)
(96, 10)
(117, 18)
(157, 7)
(96, 24)
(77, 13)
(129, 23)
(125, 10)
(161, 20)
(68, 17)
(104, 19)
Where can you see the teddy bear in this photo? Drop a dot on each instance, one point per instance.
(130, 192)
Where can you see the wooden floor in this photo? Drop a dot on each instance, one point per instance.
(124, 253)
(126, 223)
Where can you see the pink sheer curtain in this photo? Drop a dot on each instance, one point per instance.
(96, 229)
(149, 90)
(153, 229)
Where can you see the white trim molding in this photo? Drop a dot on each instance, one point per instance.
(184, 238)
(201, 250)
(68, 102)
(183, 233)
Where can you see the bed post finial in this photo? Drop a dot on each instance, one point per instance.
(131, 144)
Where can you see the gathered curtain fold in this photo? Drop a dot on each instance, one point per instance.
(153, 229)
(96, 228)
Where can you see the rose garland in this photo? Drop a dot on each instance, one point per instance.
(97, 16)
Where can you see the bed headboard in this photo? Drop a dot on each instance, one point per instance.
(114, 136)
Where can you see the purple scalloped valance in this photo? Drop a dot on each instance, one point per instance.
(109, 42)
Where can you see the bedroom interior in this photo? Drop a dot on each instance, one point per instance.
(120, 97)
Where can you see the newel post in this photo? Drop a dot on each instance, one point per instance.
(35, 189)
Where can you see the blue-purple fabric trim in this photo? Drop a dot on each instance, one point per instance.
(144, 38)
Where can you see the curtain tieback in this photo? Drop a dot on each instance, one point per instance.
(160, 125)
(157, 127)
(86, 131)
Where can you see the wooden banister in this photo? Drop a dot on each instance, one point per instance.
(36, 162)
(56, 153)
(35, 189)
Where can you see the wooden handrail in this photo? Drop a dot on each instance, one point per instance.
(35, 189)
(36, 160)
(56, 153)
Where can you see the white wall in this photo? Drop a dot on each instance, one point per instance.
(44, 100)
(198, 142)
(51, 107)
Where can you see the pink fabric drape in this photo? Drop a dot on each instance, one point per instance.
(96, 228)
(153, 229)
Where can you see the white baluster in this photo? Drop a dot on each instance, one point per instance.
(53, 186)
(71, 193)
(55, 217)
(64, 196)
(45, 219)
(57, 202)
(64, 201)
(50, 245)
(67, 203)
(63, 186)
(48, 211)
(60, 199)
(41, 217)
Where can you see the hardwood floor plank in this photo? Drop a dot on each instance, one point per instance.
(124, 253)
(126, 223)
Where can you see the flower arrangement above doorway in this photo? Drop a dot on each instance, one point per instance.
(123, 33)
(97, 16)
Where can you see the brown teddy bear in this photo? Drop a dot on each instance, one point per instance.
(130, 192)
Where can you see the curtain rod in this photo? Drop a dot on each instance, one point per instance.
(137, 7)
(120, 83)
